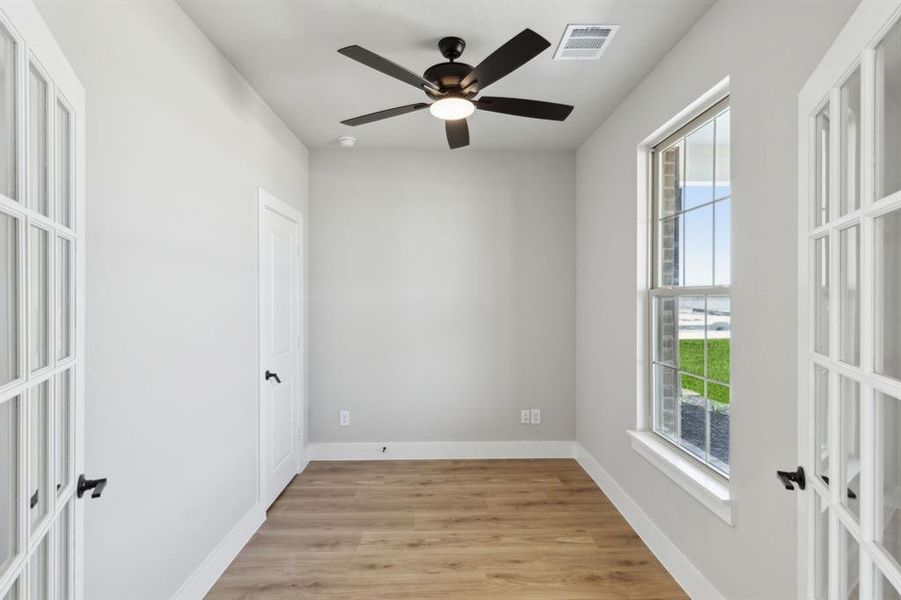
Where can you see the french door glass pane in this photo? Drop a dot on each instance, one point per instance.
(64, 304)
(888, 474)
(38, 457)
(888, 294)
(699, 167)
(10, 329)
(885, 590)
(39, 260)
(820, 548)
(7, 114)
(821, 185)
(722, 242)
(13, 593)
(849, 197)
(888, 113)
(821, 295)
(849, 300)
(850, 413)
(63, 165)
(850, 564)
(9, 481)
(821, 408)
(62, 556)
(63, 421)
(665, 403)
(723, 186)
(37, 142)
(38, 572)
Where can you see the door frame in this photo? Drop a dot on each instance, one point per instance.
(268, 202)
(852, 48)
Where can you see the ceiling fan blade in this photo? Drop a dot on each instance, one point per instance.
(457, 133)
(374, 61)
(384, 114)
(524, 46)
(535, 109)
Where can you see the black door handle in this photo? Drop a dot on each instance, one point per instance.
(792, 477)
(98, 485)
(271, 375)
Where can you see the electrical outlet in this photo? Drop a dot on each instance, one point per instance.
(344, 418)
(536, 416)
(524, 417)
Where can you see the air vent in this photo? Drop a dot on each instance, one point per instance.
(584, 42)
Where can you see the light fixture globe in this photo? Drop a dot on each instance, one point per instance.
(451, 109)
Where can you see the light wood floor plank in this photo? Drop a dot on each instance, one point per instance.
(461, 529)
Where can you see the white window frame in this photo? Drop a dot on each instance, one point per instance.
(696, 478)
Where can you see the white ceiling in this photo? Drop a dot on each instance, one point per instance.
(288, 51)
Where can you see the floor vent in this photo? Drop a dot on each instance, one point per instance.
(584, 42)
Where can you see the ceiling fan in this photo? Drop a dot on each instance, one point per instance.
(453, 85)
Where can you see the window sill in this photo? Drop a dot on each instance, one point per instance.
(707, 488)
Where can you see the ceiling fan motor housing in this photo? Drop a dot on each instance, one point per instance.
(447, 76)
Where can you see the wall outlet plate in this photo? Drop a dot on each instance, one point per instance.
(344, 418)
(536, 416)
(524, 417)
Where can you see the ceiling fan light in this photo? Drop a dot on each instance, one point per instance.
(452, 109)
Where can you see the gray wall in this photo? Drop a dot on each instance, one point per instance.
(769, 49)
(177, 145)
(443, 294)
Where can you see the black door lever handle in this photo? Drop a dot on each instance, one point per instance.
(788, 478)
(271, 375)
(98, 485)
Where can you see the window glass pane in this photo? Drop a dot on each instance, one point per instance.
(7, 114)
(63, 165)
(670, 182)
(9, 481)
(849, 198)
(821, 549)
(722, 223)
(698, 246)
(850, 564)
(719, 337)
(821, 296)
(63, 420)
(665, 409)
(64, 304)
(723, 187)
(38, 427)
(63, 557)
(13, 592)
(888, 474)
(39, 259)
(850, 406)
(10, 329)
(821, 185)
(888, 294)
(821, 408)
(885, 590)
(691, 334)
(849, 301)
(693, 415)
(888, 113)
(38, 570)
(718, 407)
(665, 330)
(699, 167)
(671, 251)
(37, 142)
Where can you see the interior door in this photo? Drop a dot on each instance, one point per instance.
(41, 311)
(850, 307)
(281, 371)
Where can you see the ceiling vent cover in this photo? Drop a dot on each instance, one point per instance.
(584, 42)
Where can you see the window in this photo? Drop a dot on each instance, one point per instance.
(690, 302)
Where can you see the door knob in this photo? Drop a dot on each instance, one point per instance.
(792, 477)
(98, 485)
(271, 375)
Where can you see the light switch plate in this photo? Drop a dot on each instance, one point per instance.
(344, 418)
(536, 416)
(524, 417)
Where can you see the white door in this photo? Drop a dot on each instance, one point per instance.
(850, 307)
(41, 311)
(281, 334)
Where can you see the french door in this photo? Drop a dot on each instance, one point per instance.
(41, 311)
(850, 307)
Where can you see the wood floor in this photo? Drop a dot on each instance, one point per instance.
(523, 529)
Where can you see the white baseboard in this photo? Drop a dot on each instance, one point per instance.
(211, 569)
(439, 450)
(683, 571)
